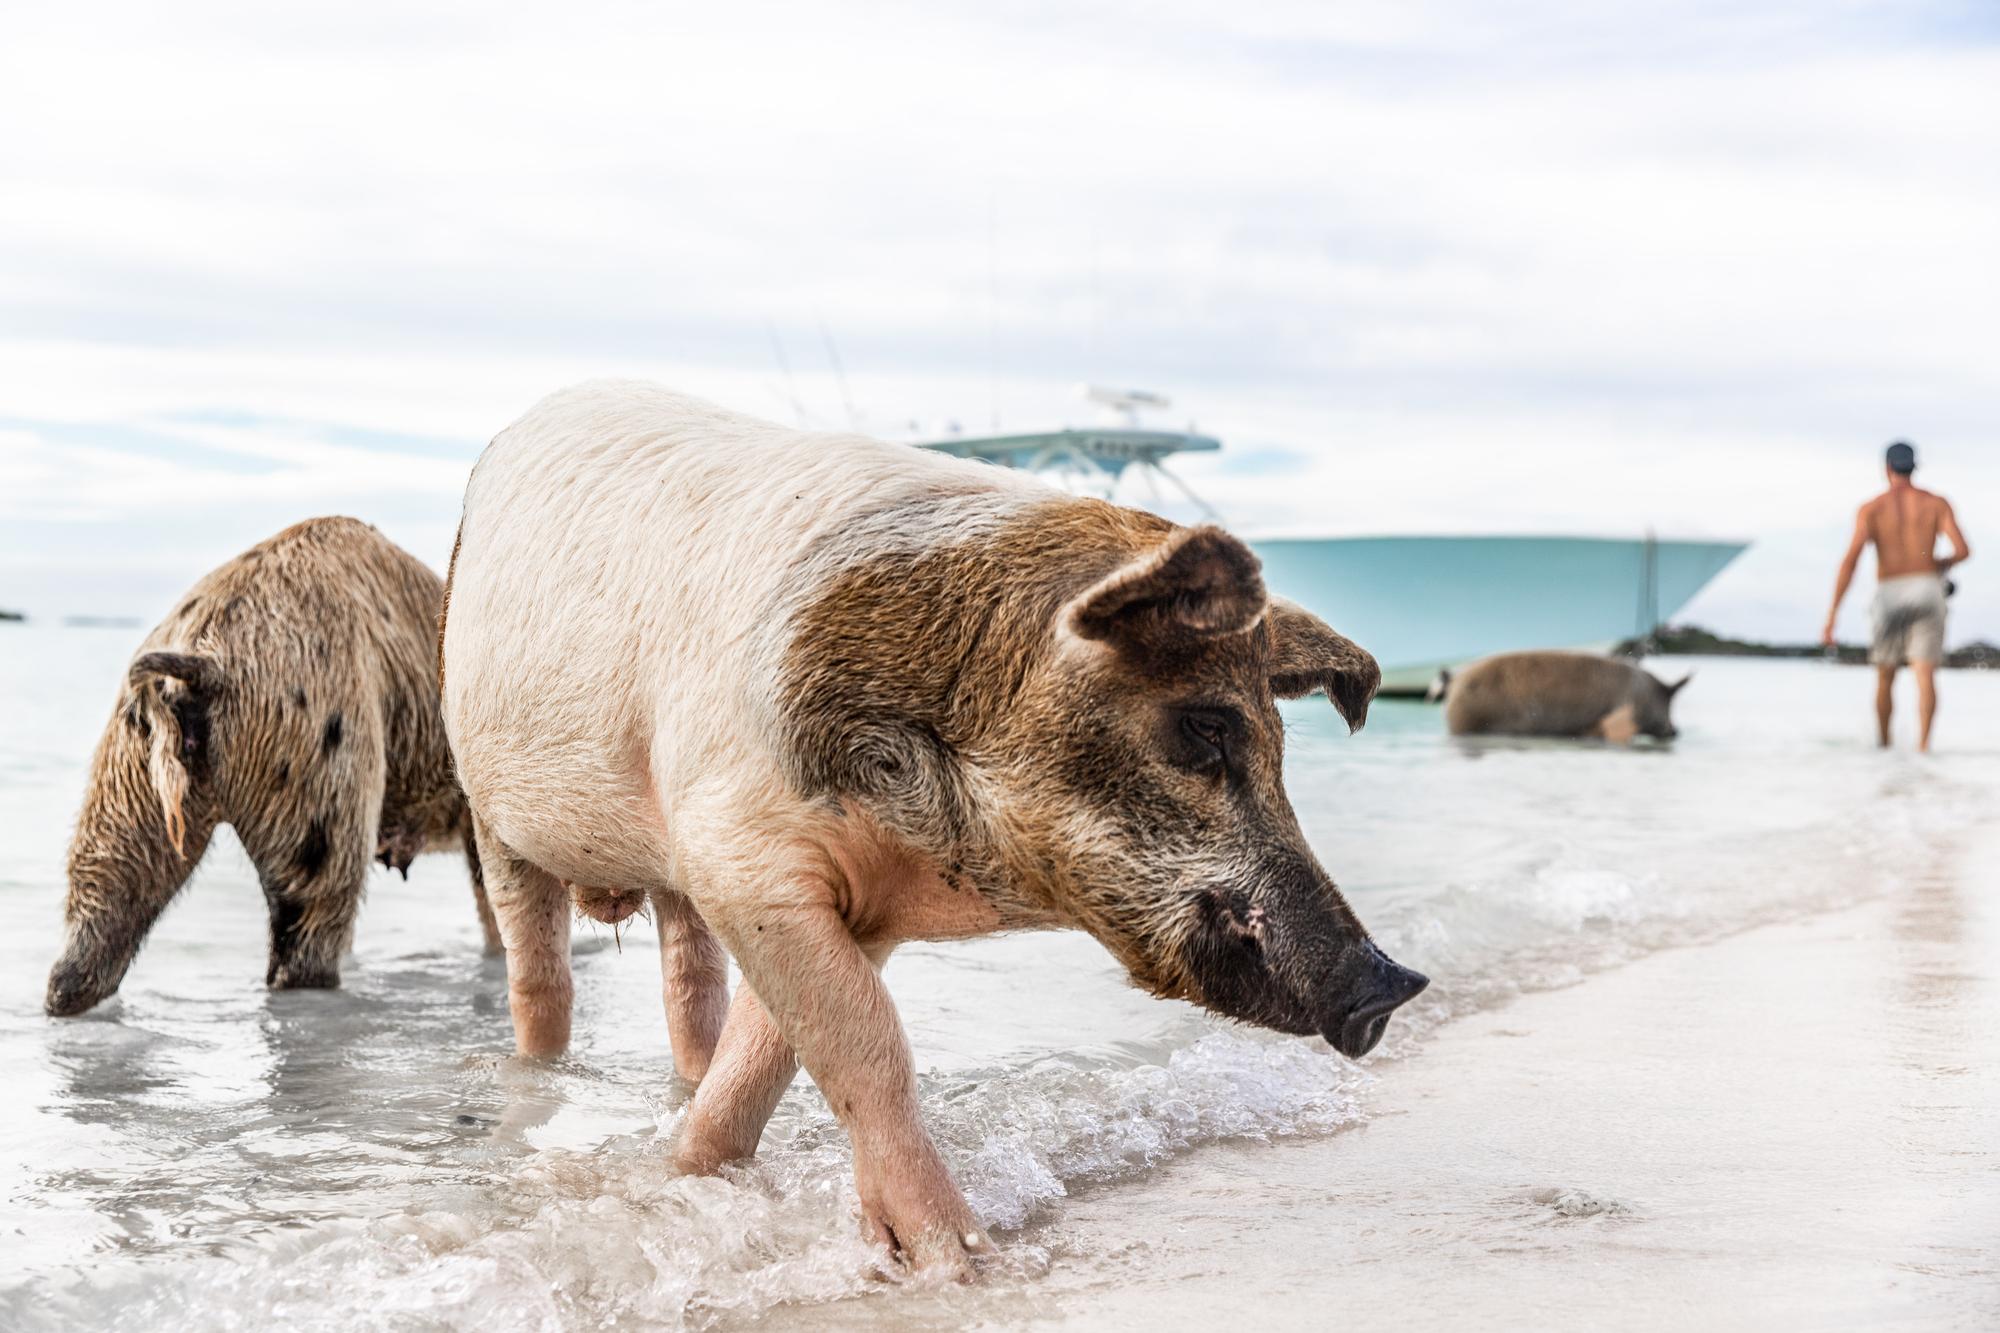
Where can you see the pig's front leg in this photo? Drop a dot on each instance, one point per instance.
(694, 983)
(1620, 725)
(829, 1004)
(753, 1066)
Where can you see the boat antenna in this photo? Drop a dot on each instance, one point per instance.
(1649, 594)
(1124, 403)
(839, 376)
(992, 282)
(785, 369)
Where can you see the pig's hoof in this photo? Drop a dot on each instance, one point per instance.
(933, 1250)
(302, 976)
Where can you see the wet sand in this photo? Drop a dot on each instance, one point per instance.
(1598, 1117)
(1796, 1127)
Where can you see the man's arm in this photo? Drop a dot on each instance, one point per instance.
(1846, 577)
(1961, 551)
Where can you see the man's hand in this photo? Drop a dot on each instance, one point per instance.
(1846, 576)
(1961, 550)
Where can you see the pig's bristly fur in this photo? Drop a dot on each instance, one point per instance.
(289, 694)
(1558, 694)
(815, 695)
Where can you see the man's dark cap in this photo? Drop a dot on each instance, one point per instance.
(1902, 458)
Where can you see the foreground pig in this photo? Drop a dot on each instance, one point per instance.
(292, 695)
(1559, 694)
(817, 695)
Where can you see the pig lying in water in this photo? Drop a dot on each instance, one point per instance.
(1559, 694)
(816, 695)
(292, 695)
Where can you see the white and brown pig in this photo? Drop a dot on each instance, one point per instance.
(1575, 695)
(292, 694)
(815, 695)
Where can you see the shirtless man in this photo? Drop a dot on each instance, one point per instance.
(1904, 523)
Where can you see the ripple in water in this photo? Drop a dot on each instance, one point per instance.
(202, 1154)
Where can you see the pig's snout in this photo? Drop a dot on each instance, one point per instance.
(70, 993)
(1380, 986)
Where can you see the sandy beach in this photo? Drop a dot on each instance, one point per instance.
(1712, 1043)
(1282, 650)
(1795, 1127)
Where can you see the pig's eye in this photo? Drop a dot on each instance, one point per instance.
(1205, 738)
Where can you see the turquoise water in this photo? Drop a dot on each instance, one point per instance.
(199, 1152)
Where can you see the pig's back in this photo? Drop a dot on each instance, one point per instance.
(1536, 694)
(628, 561)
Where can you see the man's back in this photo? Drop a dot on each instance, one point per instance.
(1903, 523)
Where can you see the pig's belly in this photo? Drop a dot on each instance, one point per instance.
(583, 814)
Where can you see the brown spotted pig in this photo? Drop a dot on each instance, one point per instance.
(1575, 695)
(817, 695)
(292, 694)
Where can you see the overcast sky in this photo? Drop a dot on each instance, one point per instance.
(1546, 266)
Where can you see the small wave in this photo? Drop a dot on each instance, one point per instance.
(615, 1237)
(1569, 1202)
(356, 1161)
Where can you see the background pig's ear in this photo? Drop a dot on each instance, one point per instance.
(1199, 580)
(1307, 655)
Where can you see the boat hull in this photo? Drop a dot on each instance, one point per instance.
(1423, 604)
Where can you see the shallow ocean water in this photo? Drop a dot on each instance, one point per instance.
(199, 1152)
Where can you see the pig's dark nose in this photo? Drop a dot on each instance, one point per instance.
(1383, 987)
(69, 994)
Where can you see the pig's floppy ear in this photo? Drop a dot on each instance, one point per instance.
(1307, 655)
(1678, 685)
(1199, 580)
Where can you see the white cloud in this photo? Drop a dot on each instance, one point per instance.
(1542, 265)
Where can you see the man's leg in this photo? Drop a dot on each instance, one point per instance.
(1885, 682)
(1926, 674)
